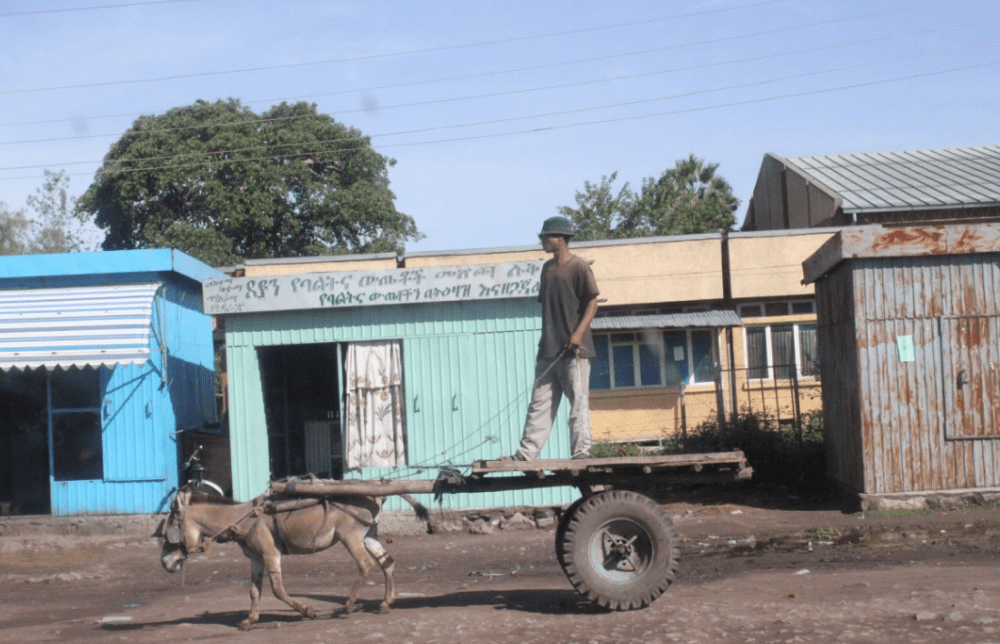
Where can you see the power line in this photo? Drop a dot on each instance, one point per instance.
(549, 114)
(564, 126)
(35, 12)
(348, 139)
(473, 45)
(703, 108)
(557, 64)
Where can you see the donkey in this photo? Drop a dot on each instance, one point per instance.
(269, 526)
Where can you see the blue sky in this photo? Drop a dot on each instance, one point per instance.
(498, 111)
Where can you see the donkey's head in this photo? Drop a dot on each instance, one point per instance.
(179, 535)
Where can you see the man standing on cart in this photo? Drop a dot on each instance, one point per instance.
(568, 293)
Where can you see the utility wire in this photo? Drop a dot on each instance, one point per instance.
(479, 44)
(273, 149)
(36, 12)
(548, 66)
(734, 61)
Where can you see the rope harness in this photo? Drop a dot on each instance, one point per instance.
(271, 507)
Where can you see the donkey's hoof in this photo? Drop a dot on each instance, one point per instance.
(246, 625)
(309, 612)
(383, 609)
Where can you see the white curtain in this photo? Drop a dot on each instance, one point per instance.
(374, 413)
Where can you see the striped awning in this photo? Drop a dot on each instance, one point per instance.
(687, 320)
(75, 327)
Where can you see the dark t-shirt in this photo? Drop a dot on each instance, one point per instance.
(564, 293)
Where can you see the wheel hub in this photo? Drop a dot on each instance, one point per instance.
(619, 552)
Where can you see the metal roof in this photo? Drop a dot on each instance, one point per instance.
(692, 319)
(910, 179)
(67, 327)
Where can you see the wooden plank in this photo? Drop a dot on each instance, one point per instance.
(535, 474)
(324, 487)
(575, 465)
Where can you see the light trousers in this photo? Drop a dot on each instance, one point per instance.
(569, 377)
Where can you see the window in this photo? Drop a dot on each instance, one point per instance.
(776, 309)
(781, 351)
(77, 450)
(652, 359)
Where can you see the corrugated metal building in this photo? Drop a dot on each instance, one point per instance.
(467, 344)
(875, 188)
(102, 357)
(909, 346)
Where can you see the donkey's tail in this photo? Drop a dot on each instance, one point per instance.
(418, 507)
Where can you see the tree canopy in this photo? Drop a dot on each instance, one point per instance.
(688, 198)
(15, 231)
(224, 184)
(56, 227)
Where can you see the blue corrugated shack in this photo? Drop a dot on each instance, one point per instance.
(381, 373)
(103, 356)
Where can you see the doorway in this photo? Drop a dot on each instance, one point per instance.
(302, 409)
(24, 443)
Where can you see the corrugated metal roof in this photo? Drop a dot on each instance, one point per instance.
(693, 319)
(86, 326)
(909, 179)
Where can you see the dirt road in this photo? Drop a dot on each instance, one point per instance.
(747, 575)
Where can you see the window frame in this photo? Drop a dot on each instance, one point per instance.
(769, 348)
(638, 343)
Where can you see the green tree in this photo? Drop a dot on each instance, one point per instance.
(602, 213)
(224, 184)
(15, 231)
(58, 227)
(689, 198)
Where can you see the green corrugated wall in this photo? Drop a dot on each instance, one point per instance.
(467, 366)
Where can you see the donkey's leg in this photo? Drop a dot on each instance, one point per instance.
(387, 565)
(256, 583)
(272, 563)
(354, 544)
(278, 588)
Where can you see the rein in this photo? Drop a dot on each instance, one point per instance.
(232, 527)
(273, 508)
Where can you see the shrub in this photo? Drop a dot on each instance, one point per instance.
(779, 453)
(612, 450)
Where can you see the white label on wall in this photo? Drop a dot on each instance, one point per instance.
(338, 289)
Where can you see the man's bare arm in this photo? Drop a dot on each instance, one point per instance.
(589, 313)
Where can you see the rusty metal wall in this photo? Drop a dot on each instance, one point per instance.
(838, 365)
(909, 358)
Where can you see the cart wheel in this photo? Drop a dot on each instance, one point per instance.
(561, 529)
(619, 550)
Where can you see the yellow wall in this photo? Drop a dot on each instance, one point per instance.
(284, 267)
(662, 271)
(485, 257)
(654, 413)
(771, 265)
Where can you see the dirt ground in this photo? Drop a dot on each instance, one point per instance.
(755, 571)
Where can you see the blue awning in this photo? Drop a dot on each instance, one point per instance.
(76, 327)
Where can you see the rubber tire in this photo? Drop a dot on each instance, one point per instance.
(630, 515)
(561, 528)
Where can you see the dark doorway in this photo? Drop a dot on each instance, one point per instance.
(24, 443)
(302, 409)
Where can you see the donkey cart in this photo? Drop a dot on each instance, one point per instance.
(616, 545)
